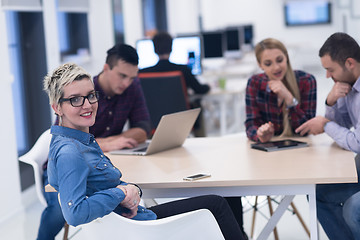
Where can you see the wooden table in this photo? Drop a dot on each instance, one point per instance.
(238, 170)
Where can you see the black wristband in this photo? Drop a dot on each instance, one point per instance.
(140, 191)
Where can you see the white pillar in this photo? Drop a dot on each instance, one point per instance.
(133, 21)
(10, 200)
(101, 33)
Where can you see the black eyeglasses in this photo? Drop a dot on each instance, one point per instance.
(78, 101)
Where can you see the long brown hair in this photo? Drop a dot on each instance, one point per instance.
(289, 80)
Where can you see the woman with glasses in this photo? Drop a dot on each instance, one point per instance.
(89, 186)
(278, 100)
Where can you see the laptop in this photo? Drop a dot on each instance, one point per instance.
(279, 145)
(171, 132)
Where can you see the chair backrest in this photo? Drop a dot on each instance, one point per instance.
(36, 157)
(165, 92)
(199, 224)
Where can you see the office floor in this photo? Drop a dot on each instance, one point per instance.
(24, 225)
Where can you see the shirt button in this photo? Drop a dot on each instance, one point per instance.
(105, 164)
(107, 128)
(109, 97)
(69, 203)
(110, 113)
(101, 156)
(94, 141)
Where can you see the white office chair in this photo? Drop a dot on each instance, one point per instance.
(36, 157)
(199, 224)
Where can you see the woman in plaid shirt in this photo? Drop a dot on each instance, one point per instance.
(280, 99)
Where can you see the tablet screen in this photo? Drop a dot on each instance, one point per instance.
(278, 145)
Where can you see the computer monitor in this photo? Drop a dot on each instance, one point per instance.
(234, 40)
(146, 52)
(186, 50)
(299, 12)
(214, 44)
(248, 34)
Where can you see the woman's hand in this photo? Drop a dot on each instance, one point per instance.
(265, 132)
(131, 200)
(281, 91)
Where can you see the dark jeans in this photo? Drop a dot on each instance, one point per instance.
(237, 208)
(52, 220)
(330, 199)
(216, 204)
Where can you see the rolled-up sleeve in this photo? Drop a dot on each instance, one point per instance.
(72, 174)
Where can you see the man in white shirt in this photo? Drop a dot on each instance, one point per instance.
(338, 205)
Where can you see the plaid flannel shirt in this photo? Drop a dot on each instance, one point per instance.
(262, 104)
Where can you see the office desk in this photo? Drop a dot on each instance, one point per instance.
(238, 170)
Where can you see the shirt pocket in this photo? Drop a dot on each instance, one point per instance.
(106, 174)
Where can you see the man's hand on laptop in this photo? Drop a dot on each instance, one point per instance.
(116, 142)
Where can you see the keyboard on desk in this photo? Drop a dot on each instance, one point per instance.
(141, 149)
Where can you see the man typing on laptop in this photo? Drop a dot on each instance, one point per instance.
(121, 99)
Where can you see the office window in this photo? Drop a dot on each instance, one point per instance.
(154, 16)
(31, 104)
(118, 17)
(74, 37)
(17, 86)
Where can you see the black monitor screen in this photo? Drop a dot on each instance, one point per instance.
(299, 12)
(213, 44)
(232, 39)
(248, 34)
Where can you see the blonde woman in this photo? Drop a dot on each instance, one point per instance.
(89, 186)
(278, 100)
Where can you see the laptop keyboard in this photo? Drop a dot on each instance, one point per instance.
(141, 149)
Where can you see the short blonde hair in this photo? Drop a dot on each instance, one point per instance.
(62, 76)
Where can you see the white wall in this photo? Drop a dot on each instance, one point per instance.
(10, 200)
(266, 16)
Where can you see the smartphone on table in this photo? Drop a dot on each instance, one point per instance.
(196, 177)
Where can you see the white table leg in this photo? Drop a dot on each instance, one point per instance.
(222, 115)
(269, 227)
(314, 235)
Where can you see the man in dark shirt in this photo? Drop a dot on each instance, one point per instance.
(163, 47)
(121, 99)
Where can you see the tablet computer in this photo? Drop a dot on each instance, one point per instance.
(279, 145)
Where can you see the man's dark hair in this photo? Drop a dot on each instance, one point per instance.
(122, 52)
(162, 43)
(340, 46)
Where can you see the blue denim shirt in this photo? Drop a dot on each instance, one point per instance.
(83, 175)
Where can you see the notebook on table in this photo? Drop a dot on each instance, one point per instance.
(171, 132)
(279, 145)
